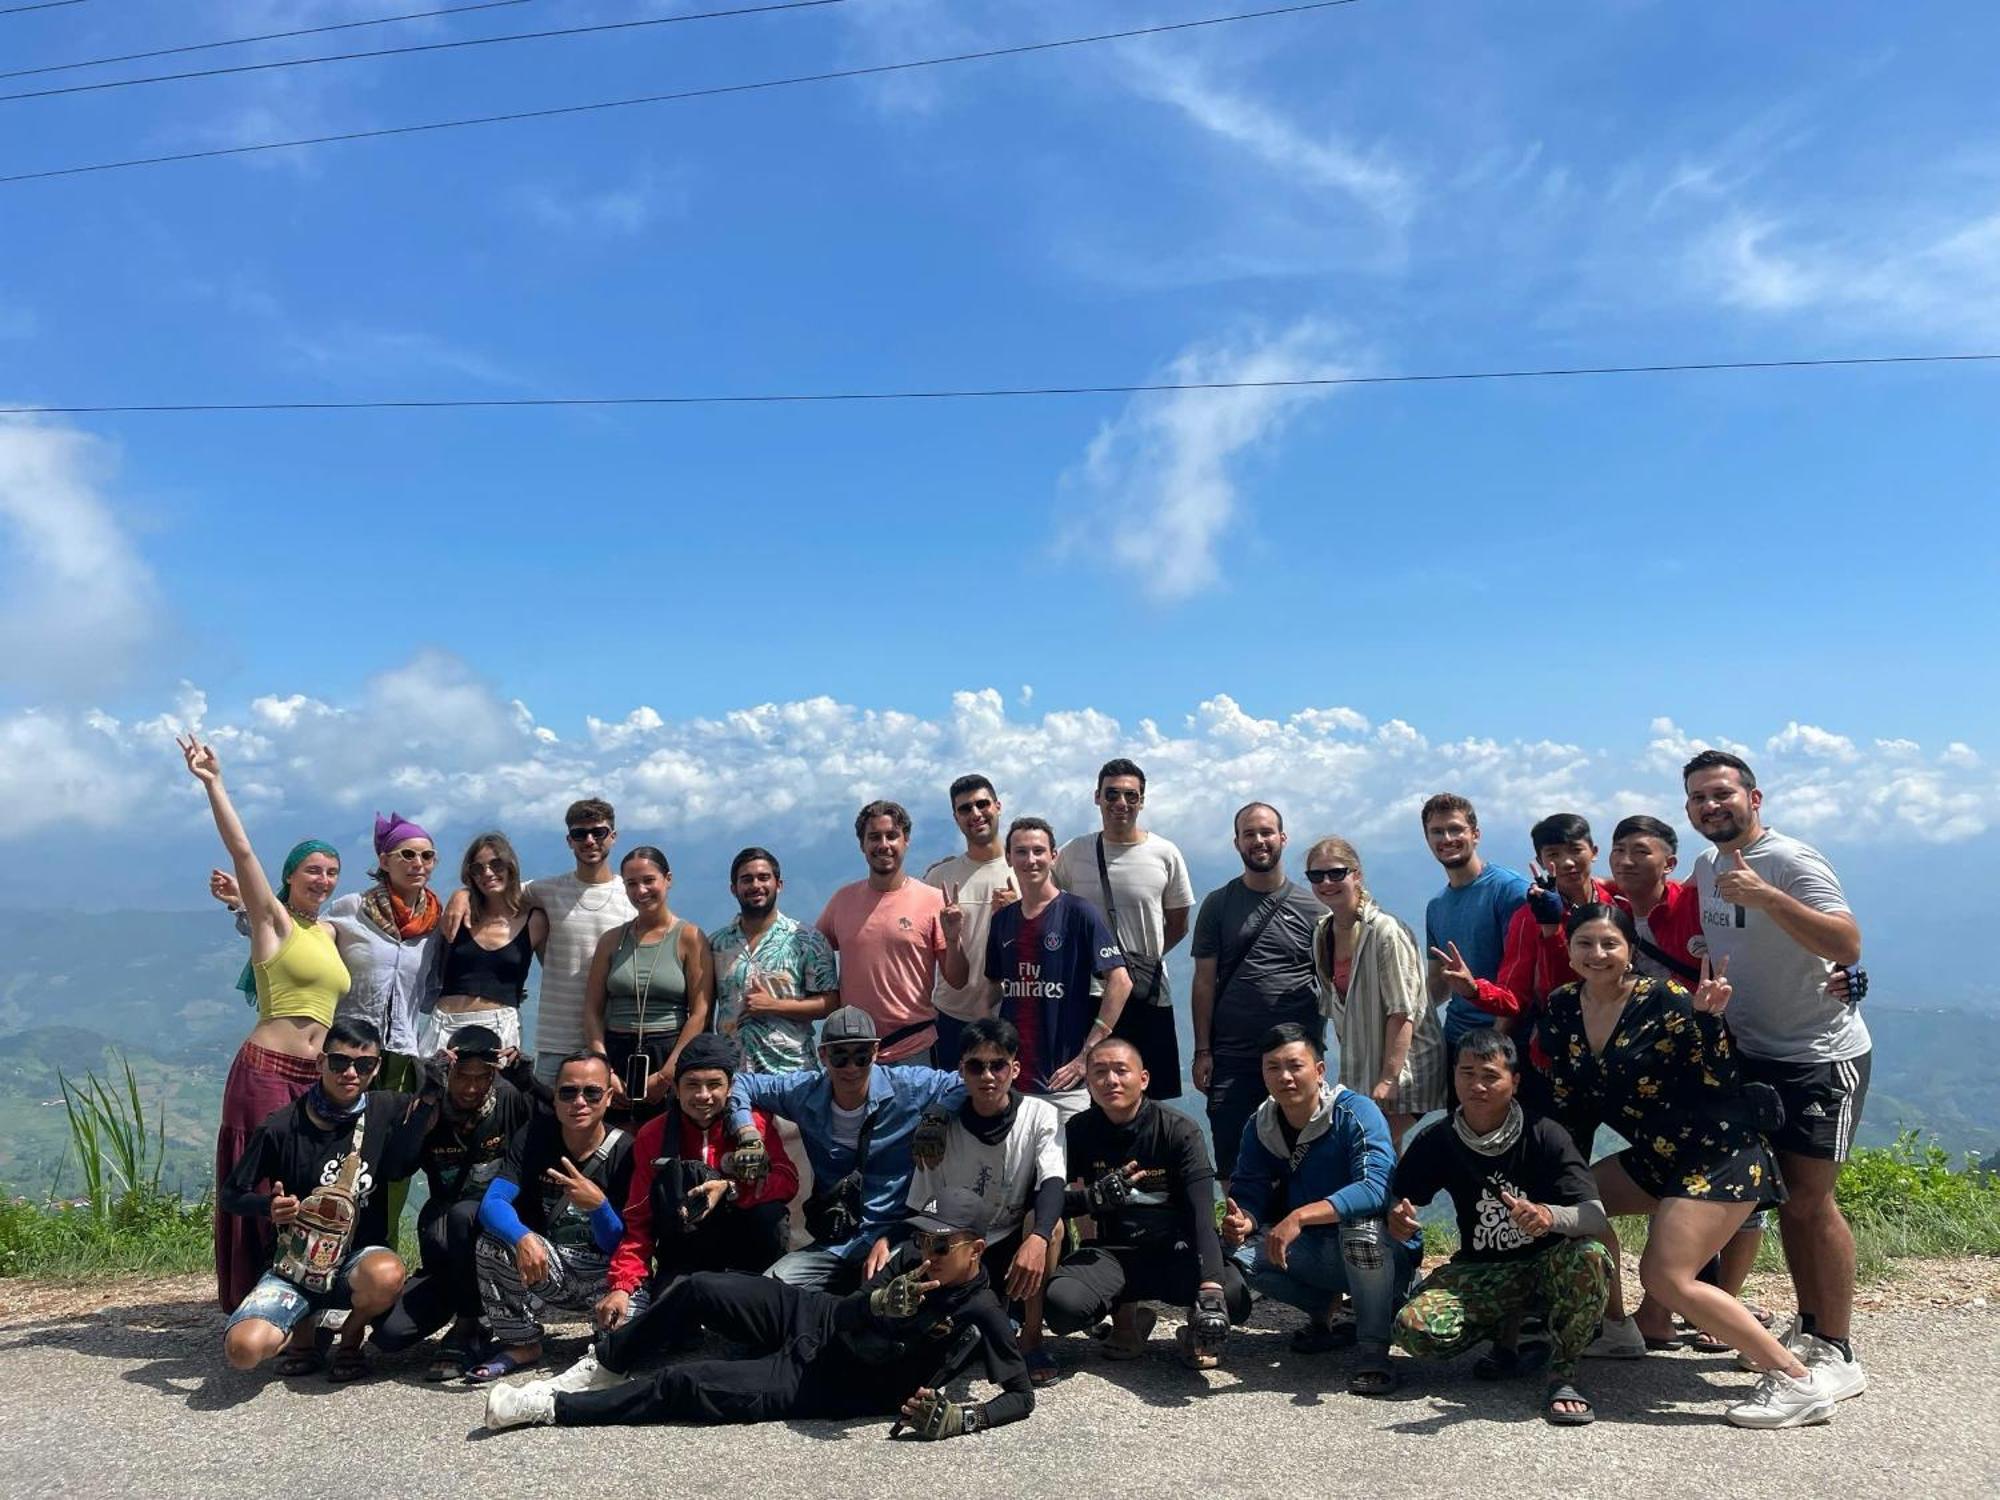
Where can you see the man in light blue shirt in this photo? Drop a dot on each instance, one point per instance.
(1471, 912)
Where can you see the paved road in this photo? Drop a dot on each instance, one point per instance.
(136, 1401)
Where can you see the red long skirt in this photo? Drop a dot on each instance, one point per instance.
(261, 1082)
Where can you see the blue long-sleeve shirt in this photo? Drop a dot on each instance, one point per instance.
(1347, 1160)
(897, 1100)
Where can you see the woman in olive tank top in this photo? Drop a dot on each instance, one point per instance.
(650, 988)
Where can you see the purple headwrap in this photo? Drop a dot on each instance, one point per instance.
(393, 830)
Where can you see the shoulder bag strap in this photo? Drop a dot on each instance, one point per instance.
(1271, 904)
(1110, 901)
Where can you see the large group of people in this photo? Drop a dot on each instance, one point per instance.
(930, 1132)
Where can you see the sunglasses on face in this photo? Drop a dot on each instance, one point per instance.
(1122, 794)
(490, 867)
(931, 1245)
(341, 1062)
(848, 1057)
(597, 833)
(416, 856)
(984, 804)
(978, 1067)
(589, 1093)
(1332, 875)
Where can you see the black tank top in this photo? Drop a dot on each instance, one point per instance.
(499, 974)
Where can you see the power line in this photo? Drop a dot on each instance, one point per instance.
(986, 393)
(714, 91)
(445, 46)
(18, 10)
(268, 36)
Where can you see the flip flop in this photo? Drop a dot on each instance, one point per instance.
(499, 1367)
(1562, 1390)
(1375, 1377)
(347, 1364)
(1042, 1369)
(295, 1362)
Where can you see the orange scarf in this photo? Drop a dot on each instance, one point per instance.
(391, 915)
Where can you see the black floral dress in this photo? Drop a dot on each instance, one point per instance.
(1666, 1081)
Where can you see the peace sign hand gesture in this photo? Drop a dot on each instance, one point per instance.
(953, 915)
(201, 760)
(583, 1194)
(1711, 996)
(1457, 972)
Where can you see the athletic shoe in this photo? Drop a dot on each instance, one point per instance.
(585, 1375)
(1617, 1338)
(1842, 1377)
(1790, 1333)
(533, 1404)
(1782, 1401)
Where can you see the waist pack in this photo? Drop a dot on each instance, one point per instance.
(312, 1248)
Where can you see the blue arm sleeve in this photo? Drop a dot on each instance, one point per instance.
(1365, 1137)
(496, 1210)
(605, 1226)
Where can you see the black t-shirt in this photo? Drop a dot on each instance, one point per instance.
(537, 1147)
(296, 1148)
(1543, 1166)
(462, 1155)
(1176, 1211)
(1266, 979)
(885, 1360)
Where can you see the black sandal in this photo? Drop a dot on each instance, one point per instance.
(1506, 1364)
(1373, 1378)
(1322, 1338)
(1560, 1392)
(347, 1364)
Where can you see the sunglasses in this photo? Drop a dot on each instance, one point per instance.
(1121, 794)
(979, 1067)
(848, 1057)
(597, 833)
(341, 1062)
(416, 856)
(930, 1245)
(589, 1093)
(492, 866)
(1332, 875)
(983, 804)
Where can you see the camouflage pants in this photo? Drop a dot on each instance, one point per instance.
(1464, 1303)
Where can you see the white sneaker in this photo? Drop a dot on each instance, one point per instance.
(585, 1375)
(1789, 1333)
(520, 1405)
(1840, 1376)
(1782, 1401)
(1617, 1338)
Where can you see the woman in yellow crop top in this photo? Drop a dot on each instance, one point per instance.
(299, 978)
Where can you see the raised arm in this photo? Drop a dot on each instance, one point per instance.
(270, 922)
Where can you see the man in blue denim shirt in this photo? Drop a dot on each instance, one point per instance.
(854, 1230)
(1306, 1206)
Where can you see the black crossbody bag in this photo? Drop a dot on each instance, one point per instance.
(1146, 972)
(833, 1212)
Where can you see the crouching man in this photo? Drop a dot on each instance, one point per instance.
(890, 1349)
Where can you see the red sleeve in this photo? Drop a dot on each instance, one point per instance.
(781, 1183)
(1512, 991)
(632, 1261)
(824, 926)
(1682, 910)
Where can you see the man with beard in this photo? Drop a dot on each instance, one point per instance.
(984, 884)
(1772, 909)
(1470, 915)
(774, 976)
(1140, 882)
(1253, 969)
(488, 1093)
(895, 936)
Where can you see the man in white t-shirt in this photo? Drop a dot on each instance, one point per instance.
(1005, 1148)
(1140, 882)
(984, 884)
(1774, 916)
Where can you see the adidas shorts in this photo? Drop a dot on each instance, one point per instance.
(1822, 1102)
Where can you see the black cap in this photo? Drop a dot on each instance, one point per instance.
(953, 1211)
(475, 1044)
(710, 1049)
(848, 1024)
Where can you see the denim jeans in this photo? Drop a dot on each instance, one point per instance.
(818, 1270)
(1359, 1259)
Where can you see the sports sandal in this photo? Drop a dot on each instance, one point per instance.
(1042, 1369)
(1561, 1391)
(347, 1364)
(1373, 1377)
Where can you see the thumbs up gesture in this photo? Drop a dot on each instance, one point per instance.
(1530, 1218)
(1738, 884)
(284, 1207)
(1236, 1226)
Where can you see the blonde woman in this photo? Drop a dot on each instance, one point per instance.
(1371, 986)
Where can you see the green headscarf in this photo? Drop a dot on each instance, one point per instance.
(247, 980)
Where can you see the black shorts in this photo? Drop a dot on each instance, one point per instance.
(1822, 1102)
(1150, 1028)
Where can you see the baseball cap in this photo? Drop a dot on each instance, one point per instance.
(953, 1211)
(848, 1024)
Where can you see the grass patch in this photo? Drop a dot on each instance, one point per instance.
(145, 1232)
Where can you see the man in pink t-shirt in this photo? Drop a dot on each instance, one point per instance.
(894, 935)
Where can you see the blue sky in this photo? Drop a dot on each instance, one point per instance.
(1801, 563)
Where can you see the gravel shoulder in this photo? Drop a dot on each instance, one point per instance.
(120, 1388)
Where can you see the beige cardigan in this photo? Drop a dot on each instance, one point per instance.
(1386, 979)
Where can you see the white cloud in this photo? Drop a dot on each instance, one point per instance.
(80, 603)
(617, 211)
(449, 750)
(1161, 480)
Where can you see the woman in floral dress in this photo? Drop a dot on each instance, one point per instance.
(1657, 1065)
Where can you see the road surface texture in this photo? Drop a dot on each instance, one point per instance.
(121, 1390)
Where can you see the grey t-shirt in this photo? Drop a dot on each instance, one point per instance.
(1273, 979)
(1149, 879)
(1779, 1008)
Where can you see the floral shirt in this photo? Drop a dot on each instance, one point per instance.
(1666, 1081)
(794, 961)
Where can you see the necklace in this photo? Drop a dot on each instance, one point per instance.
(583, 901)
(642, 983)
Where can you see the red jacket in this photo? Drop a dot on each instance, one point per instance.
(632, 1261)
(1533, 966)
(1675, 924)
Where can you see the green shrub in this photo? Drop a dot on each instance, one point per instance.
(146, 1232)
(1911, 1179)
